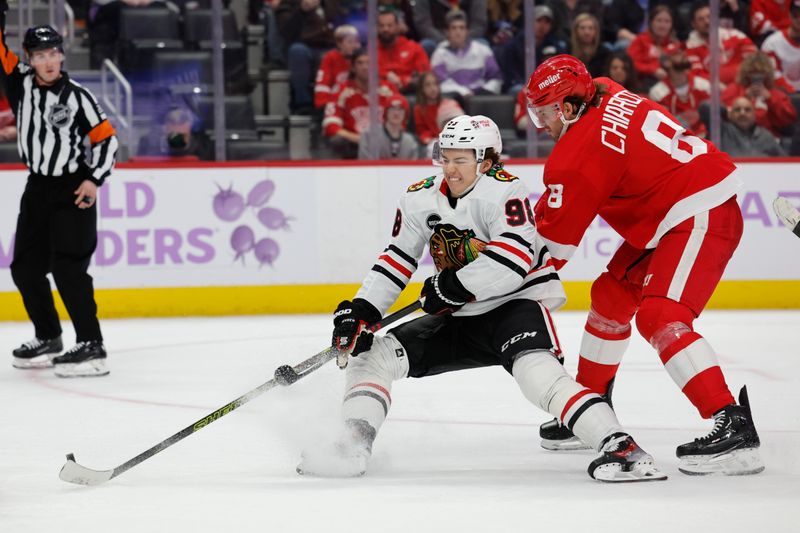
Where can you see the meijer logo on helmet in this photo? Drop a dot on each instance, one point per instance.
(550, 80)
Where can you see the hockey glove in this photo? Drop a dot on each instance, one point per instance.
(350, 323)
(444, 293)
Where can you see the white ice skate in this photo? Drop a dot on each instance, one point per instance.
(622, 460)
(346, 457)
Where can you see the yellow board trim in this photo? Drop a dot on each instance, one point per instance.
(291, 299)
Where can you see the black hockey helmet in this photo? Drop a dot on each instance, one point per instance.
(41, 38)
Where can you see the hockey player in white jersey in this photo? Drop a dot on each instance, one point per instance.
(488, 304)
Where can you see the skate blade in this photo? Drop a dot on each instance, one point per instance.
(744, 462)
(613, 473)
(566, 445)
(86, 369)
(40, 361)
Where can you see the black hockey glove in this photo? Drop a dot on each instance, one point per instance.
(349, 327)
(444, 293)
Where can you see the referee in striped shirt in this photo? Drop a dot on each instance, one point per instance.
(57, 224)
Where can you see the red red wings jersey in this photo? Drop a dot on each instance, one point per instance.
(331, 76)
(630, 162)
(769, 15)
(350, 109)
(785, 53)
(734, 46)
(698, 90)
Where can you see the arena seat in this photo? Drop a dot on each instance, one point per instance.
(500, 107)
(239, 116)
(144, 30)
(183, 71)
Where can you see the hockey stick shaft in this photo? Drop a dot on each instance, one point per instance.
(72, 472)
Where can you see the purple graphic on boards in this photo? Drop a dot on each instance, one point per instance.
(229, 206)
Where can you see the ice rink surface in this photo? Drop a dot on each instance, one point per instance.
(459, 452)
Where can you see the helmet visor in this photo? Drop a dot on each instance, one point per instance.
(545, 114)
(436, 155)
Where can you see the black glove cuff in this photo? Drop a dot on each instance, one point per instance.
(366, 311)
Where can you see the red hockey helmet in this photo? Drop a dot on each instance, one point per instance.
(551, 82)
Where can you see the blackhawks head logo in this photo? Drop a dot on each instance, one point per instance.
(427, 183)
(453, 248)
(500, 174)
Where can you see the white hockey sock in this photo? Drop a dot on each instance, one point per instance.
(545, 383)
(368, 384)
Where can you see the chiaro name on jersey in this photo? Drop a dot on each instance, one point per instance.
(616, 119)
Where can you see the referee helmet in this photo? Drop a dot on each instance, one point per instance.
(42, 38)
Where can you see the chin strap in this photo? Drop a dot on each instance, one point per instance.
(568, 123)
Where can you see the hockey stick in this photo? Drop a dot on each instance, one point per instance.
(72, 472)
(787, 214)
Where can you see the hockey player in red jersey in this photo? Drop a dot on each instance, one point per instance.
(488, 304)
(672, 197)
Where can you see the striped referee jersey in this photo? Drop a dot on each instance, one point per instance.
(53, 121)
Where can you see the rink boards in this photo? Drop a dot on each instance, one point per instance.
(299, 237)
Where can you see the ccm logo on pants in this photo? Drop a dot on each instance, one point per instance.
(517, 338)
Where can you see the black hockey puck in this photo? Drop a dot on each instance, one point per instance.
(285, 375)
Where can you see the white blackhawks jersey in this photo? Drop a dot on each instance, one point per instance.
(488, 236)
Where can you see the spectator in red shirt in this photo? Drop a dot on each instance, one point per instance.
(767, 16)
(400, 60)
(756, 81)
(734, 44)
(431, 110)
(784, 49)
(336, 64)
(347, 117)
(681, 91)
(647, 48)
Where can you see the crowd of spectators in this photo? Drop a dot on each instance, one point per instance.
(434, 56)
(441, 53)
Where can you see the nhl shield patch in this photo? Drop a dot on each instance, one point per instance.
(59, 115)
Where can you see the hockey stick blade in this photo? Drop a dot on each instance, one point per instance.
(72, 472)
(787, 214)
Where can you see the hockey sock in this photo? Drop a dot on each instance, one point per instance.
(693, 366)
(369, 381)
(545, 383)
(687, 356)
(603, 344)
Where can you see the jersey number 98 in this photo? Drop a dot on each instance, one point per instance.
(518, 211)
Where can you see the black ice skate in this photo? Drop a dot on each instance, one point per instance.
(731, 448)
(557, 437)
(347, 457)
(622, 460)
(37, 353)
(85, 359)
